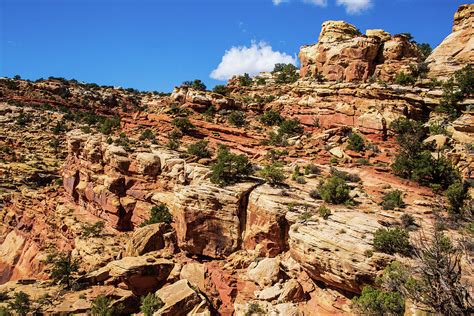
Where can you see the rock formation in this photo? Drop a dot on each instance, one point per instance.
(344, 54)
(456, 50)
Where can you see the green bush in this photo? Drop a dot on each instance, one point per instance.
(102, 306)
(404, 79)
(271, 118)
(21, 304)
(183, 124)
(350, 177)
(378, 302)
(311, 169)
(334, 190)
(290, 127)
(356, 142)
(229, 168)
(457, 194)
(237, 118)
(286, 73)
(456, 89)
(414, 162)
(424, 49)
(200, 149)
(109, 124)
(273, 173)
(196, 85)
(221, 89)
(392, 200)
(173, 140)
(407, 220)
(147, 134)
(254, 309)
(93, 230)
(5, 312)
(392, 240)
(245, 80)
(158, 214)
(63, 267)
(324, 212)
(150, 304)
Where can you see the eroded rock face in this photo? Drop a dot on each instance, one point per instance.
(142, 275)
(337, 251)
(343, 53)
(209, 219)
(456, 50)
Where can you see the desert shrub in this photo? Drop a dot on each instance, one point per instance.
(147, 134)
(183, 124)
(229, 168)
(221, 89)
(237, 118)
(376, 302)
(275, 154)
(392, 200)
(173, 139)
(350, 177)
(272, 173)
(404, 79)
(407, 220)
(92, 230)
(311, 169)
(150, 304)
(438, 128)
(435, 280)
(109, 124)
(63, 267)
(5, 312)
(392, 240)
(315, 194)
(424, 49)
(290, 127)
(196, 85)
(3, 296)
(356, 142)
(176, 110)
(59, 128)
(245, 80)
(456, 194)
(261, 81)
(23, 119)
(334, 190)
(254, 309)
(102, 306)
(414, 162)
(456, 89)
(200, 149)
(324, 212)
(296, 173)
(276, 139)
(158, 214)
(271, 118)
(286, 73)
(21, 303)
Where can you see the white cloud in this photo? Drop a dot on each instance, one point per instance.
(355, 6)
(321, 3)
(256, 58)
(352, 6)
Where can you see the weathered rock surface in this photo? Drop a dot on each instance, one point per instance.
(337, 250)
(342, 53)
(456, 50)
(181, 299)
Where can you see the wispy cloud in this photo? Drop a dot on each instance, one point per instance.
(251, 59)
(352, 6)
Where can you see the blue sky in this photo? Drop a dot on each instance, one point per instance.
(157, 44)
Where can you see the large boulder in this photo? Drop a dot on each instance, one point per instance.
(343, 53)
(209, 218)
(338, 251)
(146, 239)
(180, 299)
(456, 50)
(142, 275)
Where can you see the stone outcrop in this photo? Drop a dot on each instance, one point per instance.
(338, 250)
(344, 54)
(456, 50)
(141, 275)
(210, 220)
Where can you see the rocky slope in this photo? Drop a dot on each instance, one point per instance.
(82, 168)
